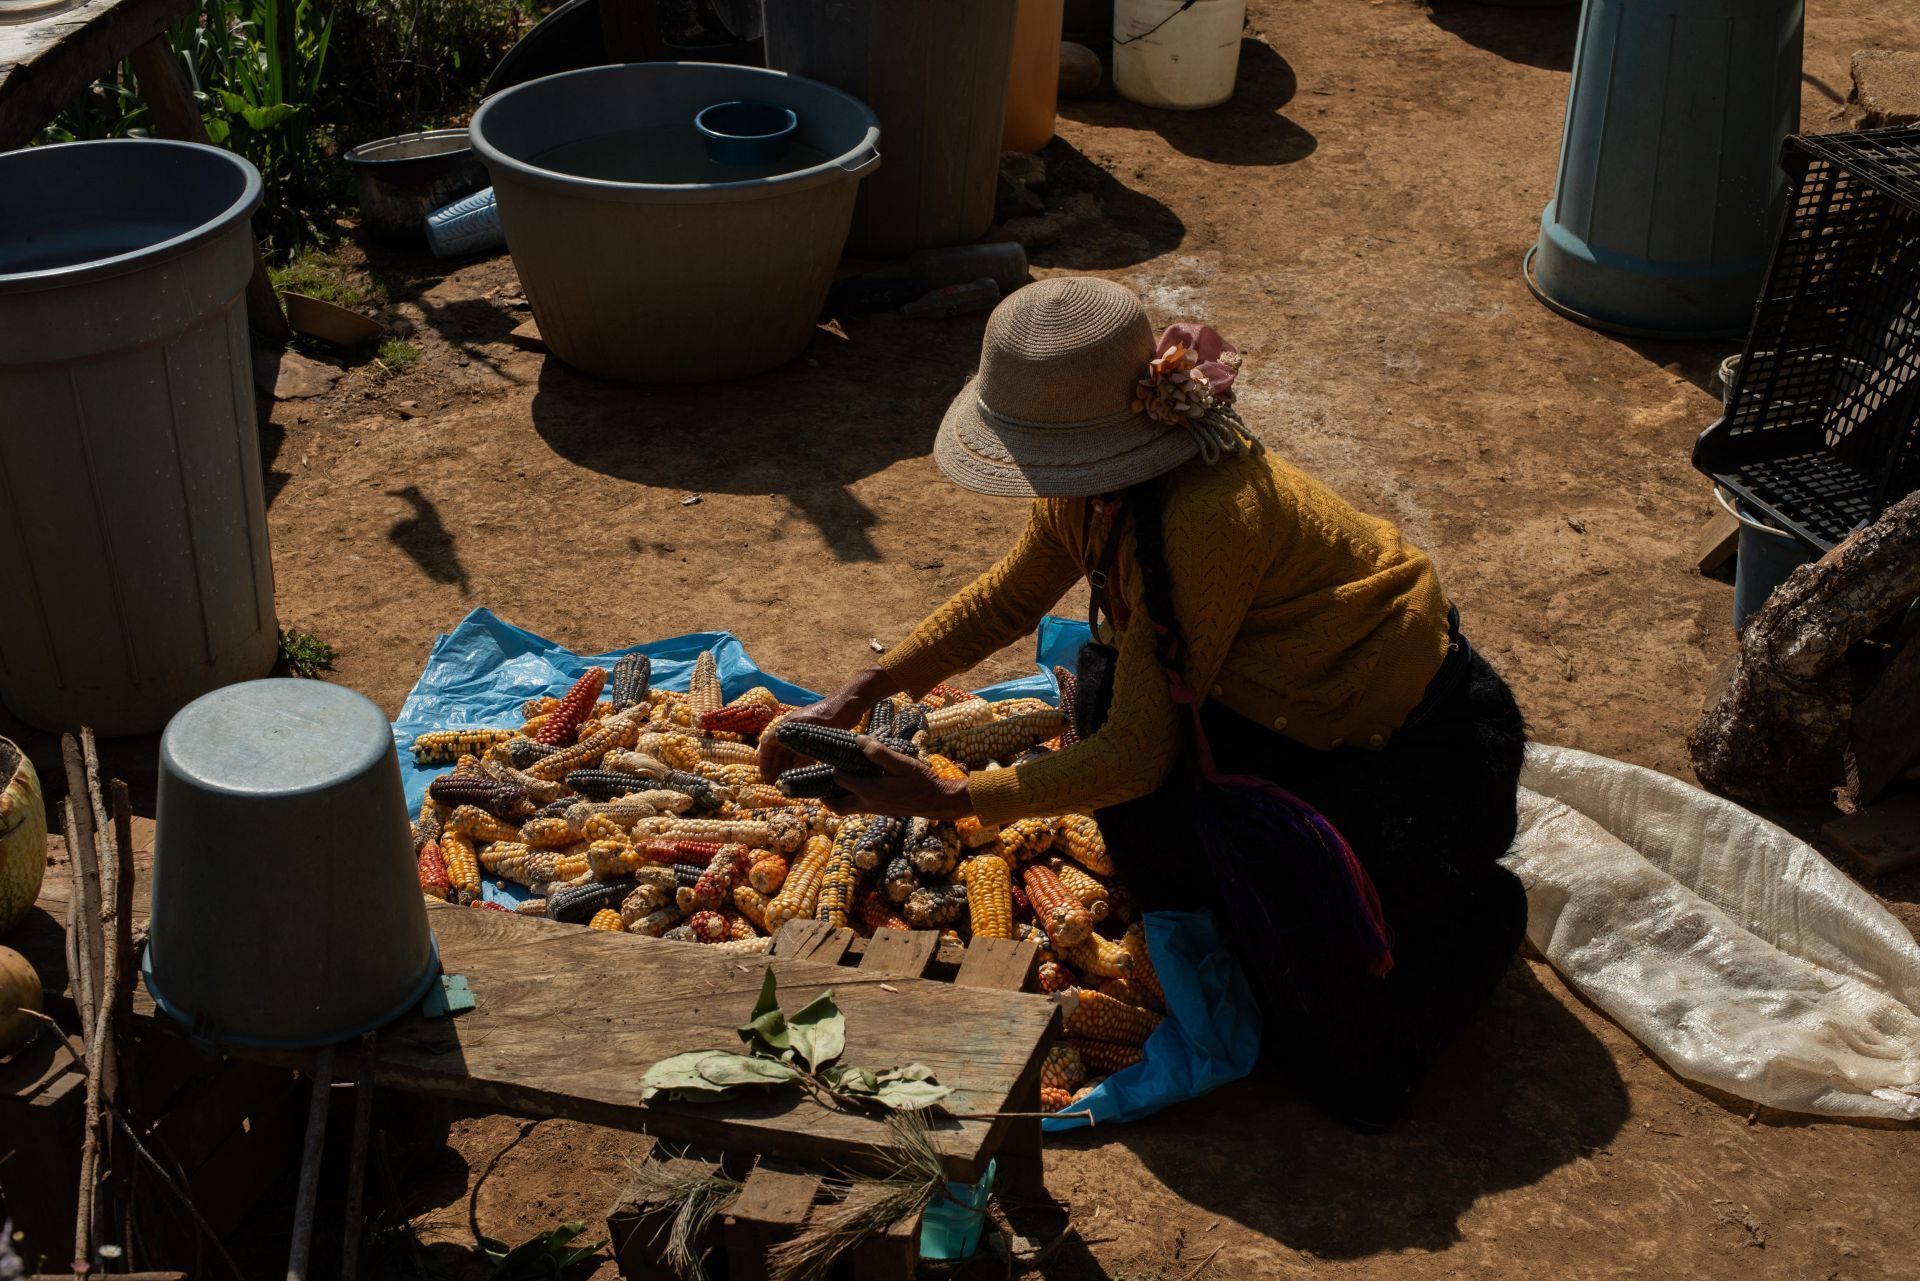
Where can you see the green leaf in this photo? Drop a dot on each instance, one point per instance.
(726, 1070)
(681, 1072)
(910, 1096)
(494, 1247)
(767, 1032)
(818, 1031)
(261, 119)
(911, 1072)
(850, 1080)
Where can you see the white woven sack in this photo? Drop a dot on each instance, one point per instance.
(1730, 949)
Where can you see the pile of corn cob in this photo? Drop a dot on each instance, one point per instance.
(644, 812)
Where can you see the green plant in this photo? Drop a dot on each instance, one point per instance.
(538, 1258)
(397, 354)
(319, 274)
(305, 654)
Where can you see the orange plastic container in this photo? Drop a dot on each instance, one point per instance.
(1033, 90)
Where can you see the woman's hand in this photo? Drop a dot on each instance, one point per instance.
(841, 709)
(904, 787)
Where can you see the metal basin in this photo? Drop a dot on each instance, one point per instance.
(402, 179)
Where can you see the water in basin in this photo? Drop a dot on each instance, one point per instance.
(666, 154)
(46, 248)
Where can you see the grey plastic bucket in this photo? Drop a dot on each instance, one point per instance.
(1764, 558)
(133, 531)
(935, 72)
(1667, 202)
(672, 282)
(286, 901)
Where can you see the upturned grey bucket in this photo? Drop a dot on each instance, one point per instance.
(286, 902)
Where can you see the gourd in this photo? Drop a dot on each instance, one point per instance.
(23, 835)
(19, 993)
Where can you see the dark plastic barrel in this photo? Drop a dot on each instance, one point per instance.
(134, 572)
(935, 72)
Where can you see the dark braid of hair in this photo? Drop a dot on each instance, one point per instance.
(1156, 583)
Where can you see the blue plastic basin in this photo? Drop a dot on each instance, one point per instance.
(746, 133)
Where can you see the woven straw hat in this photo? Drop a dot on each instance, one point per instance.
(1050, 412)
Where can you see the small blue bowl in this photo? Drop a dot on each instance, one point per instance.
(746, 133)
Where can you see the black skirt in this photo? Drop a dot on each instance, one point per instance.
(1428, 816)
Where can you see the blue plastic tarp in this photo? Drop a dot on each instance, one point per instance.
(485, 668)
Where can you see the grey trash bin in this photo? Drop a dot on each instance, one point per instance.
(133, 531)
(286, 901)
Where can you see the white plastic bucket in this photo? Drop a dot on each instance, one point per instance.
(1179, 54)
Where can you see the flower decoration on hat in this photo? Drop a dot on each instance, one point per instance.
(1189, 384)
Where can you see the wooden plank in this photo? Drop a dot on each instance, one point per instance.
(902, 952)
(1007, 964)
(1716, 542)
(637, 1228)
(1885, 736)
(812, 941)
(38, 1064)
(772, 1207)
(46, 62)
(216, 1107)
(892, 1255)
(1883, 838)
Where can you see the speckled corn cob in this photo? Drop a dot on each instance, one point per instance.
(578, 903)
(1054, 977)
(631, 676)
(629, 809)
(998, 740)
(434, 880)
(612, 857)
(687, 853)
(1135, 941)
(473, 822)
(1025, 839)
(932, 848)
(439, 746)
(1081, 884)
(530, 907)
(841, 876)
(703, 687)
(1080, 836)
(900, 880)
(1008, 708)
(1099, 1017)
(767, 872)
(1064, 919)
(1069, 686)
(799, 896)
(428, 827)
(485, 906)
(752, 904)
(584, 753)
(934, 907)
(642, 899)
(675, 751)
(871, 912)
(707, 927)
(1104, 1058)
(656, 923)
(498, 797)
(739, 928)
(463, 864)
(944, 695)
(880, 841)
(540, 791)
(989, 896)
(1100, 957)
(522, 751)
(756, 834)
(714, 889)
(605, 784)
(537, 706)
(607, 919)
(564, 722)
(1062, 1069)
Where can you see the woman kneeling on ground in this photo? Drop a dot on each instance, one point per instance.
(1292, 732)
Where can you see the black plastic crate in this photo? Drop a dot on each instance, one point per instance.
(1822, 429)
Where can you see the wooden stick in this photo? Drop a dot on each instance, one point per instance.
(86, 877)
(309, 1193)
(357, 1162)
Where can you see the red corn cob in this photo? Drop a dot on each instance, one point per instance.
(708, 927)
(564, 722)
(1055, 977)
(873, 912)
(433, 872)
(485, 906)
(738, 718)
(692, 853)
(727, 869)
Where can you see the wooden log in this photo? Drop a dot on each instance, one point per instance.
(812, 941)
(1006, 964)
(1716, 542)
(47, 62)
(1778, 734)
(903, 952)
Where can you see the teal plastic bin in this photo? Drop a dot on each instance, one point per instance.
(1667, 203)
(951, 1227)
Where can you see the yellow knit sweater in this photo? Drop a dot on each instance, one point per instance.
(1298, 612)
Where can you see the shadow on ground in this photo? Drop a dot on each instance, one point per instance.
(808, 431)
(1133, 227)
(1526, 1090)
(1534, 34)
(1246, 130)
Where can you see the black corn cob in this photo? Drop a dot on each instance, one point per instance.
(910, 722)
(496, 796)
(808, 781)
(631, 677)
(578, 903)
(879, 842)
(933, 848)
(823, 743)
(522, 752)
(901, 881)
(605, 784)
(935, 907)
(880, 719)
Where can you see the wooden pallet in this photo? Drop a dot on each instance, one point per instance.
(778, 1196)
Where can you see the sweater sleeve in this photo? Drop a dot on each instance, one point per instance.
(996, 609)
(1217, 559)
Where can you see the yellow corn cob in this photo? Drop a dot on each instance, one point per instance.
(1080, 836)
(958, 716)
(1100, 957)
(1008, 708)
(718, 751)
(499, 853)
(973, 833)
(1056, 911)
(1127, 990)
(754, 833)
(1062, 1069)
(1135, 941)
(798, 897)
(463, 864)
(548, 833)
(612, 858)
(476, 823)
(758, 696)
(676, 751)
(642, 899)
(989, 896)
(1055, 1099)
(999, 740)
(1025, 839)
(837, 883)
(531, 907)
(1099, 1017)
(599, 827)
(768, 872)
(581, 755)
(1104, 1058)
(437, 747)
(607, 919)
(759, 795)
(752, 904)
(739, 928)
(1091, 893)
(703, 687)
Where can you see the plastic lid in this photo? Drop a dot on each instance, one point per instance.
(275, 737)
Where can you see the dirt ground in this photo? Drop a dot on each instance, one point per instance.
(1354, 220)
